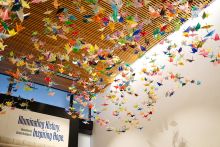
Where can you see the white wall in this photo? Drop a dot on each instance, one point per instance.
(190, 118)
(83, 140)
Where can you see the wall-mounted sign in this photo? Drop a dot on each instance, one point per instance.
(26, 128)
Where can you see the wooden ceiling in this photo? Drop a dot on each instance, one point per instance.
(22, 45)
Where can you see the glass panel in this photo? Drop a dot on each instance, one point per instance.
(40, 94)
(4, 82)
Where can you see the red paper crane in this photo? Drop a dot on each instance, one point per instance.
(216, 38)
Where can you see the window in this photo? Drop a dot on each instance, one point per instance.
(4, 82)
(40, 93)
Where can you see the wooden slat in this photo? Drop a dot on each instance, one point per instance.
(21, 43)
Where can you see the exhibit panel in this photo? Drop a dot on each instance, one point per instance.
(28, 128)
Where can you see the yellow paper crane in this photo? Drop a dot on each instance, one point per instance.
(12, 32)
(112, 26)
(102, 37)
(68, 48)
(25, 4)
(2, 46)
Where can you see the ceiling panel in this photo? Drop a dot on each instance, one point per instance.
(85, 31)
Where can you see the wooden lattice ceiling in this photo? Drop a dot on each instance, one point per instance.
(22, 45)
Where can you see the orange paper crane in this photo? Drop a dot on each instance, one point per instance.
(15, 75)
(56, 4)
